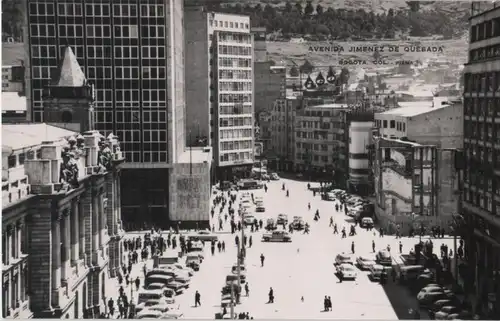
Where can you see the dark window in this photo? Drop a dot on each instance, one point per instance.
(66, 116)
(393, 123)
(385, 123)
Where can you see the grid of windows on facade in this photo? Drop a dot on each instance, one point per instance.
(231, 62)
(487, 82)
(235, 121)
(235, 109)
(229, 24)
(231, 134)
(485, 30)
(124, 60)
(234, 38)
(399, 126)
(237, 145)
(236, 157)
(476, 128)
(235, 74)
(235, 50)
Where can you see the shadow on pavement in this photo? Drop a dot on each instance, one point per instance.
(402, 301)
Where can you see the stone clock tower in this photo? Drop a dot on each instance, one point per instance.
(69, 99)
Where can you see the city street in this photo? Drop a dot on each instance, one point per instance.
(301, 268)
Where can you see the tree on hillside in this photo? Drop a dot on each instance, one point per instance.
(12, 18)
(319, 10)
(414, 5)
(309, 9)
(344, 76)
(294, 72)
(298, 7)
(307, 67)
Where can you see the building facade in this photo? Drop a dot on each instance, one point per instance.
(270, 83)
(219, 48)
(360, 124)
(13, 79)
(414, 167)
(281, 149)
(61, 215)
(481, 175)
(133, 54)
(321, 141)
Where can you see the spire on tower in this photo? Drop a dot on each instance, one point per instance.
(70, 74)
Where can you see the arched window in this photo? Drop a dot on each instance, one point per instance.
(66, 116)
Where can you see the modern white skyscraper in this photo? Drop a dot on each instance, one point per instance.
(219, 88)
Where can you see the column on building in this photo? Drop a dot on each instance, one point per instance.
(119, 199)
(102, 217)
(65, 241)
(81, 229)
(111, 206)
(19, 236)
(95, 222)
(75, 232)
(56, 258)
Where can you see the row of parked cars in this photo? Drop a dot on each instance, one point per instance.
(170, 277)
(442, 304)
(346, 264)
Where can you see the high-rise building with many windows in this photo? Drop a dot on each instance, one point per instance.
(219, 88)
(132, 51)
(480, 223)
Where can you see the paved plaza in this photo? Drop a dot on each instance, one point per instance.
(302, 268)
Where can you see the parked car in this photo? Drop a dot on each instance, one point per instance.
(230, 278)
(282, 219)
(242, 267)
(259, 207)
(298, 223)
(366, 222)
(376, 271)
(347, 271)
(445, 312)
(384, 257)
(344, 258)
(204, 235)
(271, 225)
(331, 196)
(276, 236)
(193, 261)
(365, 262)
(248, 219)
(274, 177)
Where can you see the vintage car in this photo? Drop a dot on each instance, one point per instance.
(271, 225)
(282, 219)
(204, 235)
(276, 236)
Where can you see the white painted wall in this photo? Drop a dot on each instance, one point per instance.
(392, 181)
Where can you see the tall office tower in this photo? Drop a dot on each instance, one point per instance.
(481, 174)
(132, 51)
(219, 90)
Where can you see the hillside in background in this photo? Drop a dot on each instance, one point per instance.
(355, 19)
(12, 19)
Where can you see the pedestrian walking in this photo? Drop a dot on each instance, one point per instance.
(250, 241)
(352, 247)
(247, 290)
(271, 295)
(262, 258)
(400, 247)
(335, 229)
(137, 283)
(331, 221)
(197, 299)
(373, 246)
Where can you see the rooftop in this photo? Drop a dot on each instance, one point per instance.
(414, 108)
(19, 136)
(11, 101)
(331, 106)
(70, 72)
(12, 53)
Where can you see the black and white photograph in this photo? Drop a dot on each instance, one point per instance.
(250, 159)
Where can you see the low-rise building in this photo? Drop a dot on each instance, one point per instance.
(416, 183)
(61, 213)
(321, 137)
(13, 107)
(61, 221)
